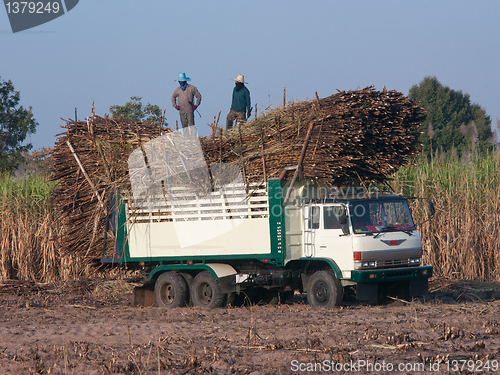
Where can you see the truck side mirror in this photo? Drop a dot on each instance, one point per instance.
(343, 220)
(343, 216)
(432, 209)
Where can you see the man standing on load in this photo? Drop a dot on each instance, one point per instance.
(241, 109)
(183, 100)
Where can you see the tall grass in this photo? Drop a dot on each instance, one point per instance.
(463, 239)
(30, 234)
(28, 230)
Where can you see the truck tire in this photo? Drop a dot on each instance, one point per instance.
(324, 290)
(171, 290)
(206, 291)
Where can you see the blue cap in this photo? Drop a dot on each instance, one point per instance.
(182, 77)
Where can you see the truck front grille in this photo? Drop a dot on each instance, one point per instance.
(393, 263)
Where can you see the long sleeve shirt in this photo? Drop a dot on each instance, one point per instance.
(185, 99)
(241, 100)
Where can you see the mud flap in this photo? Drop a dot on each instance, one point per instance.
(367, 291)
(227, 284)
(419, 287)
(143, 296)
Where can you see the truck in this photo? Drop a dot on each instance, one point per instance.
(206, 236)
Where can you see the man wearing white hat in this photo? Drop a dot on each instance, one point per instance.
(241, 108)
(183, 100)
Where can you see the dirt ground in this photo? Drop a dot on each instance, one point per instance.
(90, 327)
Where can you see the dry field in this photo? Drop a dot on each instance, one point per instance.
(90, 327)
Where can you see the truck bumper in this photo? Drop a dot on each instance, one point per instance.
(390, 275)
(401, 282)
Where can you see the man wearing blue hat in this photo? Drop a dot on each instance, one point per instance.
(183, 100)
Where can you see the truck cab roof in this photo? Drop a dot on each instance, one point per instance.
(353, 199)
(370, 197)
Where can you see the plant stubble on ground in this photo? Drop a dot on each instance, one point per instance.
(90, 327)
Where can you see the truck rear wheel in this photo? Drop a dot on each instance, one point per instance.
(206, 291)
(324, 290)
(171, 290)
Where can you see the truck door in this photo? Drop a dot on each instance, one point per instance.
(333, 239)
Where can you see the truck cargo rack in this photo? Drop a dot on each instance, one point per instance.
(233, 202)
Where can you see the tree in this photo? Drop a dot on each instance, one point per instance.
(16, 123)
(134, 110)
(452, 121)
(37, 162)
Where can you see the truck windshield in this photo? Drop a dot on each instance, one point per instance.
(380, 216)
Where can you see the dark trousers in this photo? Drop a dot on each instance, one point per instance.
(187, 119)
(233, 115)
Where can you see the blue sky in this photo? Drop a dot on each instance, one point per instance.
(107, 51)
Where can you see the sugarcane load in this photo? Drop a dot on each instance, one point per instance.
(353, 136)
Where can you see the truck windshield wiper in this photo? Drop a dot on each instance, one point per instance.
(393, 229)
(386, 229)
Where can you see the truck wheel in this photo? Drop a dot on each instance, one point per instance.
(170, 290)
(324, 290)
(206, 291)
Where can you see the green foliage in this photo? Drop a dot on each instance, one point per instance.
(16, 123)
(452, 121)
(29, 193)
(134, 110)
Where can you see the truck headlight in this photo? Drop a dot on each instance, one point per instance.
(415, 261)
(367, 264)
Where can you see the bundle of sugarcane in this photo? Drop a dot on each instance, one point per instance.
(90, 163)
(356, 136)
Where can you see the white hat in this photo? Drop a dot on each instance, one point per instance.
(240, 78)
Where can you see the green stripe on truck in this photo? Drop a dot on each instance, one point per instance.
(277, 228)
